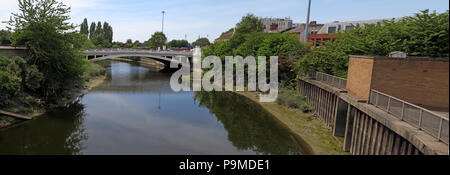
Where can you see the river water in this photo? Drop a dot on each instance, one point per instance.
(135, 112)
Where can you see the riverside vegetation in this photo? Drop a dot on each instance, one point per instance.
(54, 67)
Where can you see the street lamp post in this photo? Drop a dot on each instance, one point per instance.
(162, 28)
(305, 35)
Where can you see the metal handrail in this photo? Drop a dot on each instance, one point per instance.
(402, 115)
(341, 82)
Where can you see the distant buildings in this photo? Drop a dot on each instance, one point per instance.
(274, 25)
(298, 31)
(318, 34)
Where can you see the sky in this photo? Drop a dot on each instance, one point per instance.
(191, 19)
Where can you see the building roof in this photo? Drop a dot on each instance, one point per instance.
(225, 36)
(362, 23)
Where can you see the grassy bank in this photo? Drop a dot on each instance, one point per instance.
(306, 125)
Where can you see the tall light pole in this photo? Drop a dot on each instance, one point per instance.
(162, 28)
(305, 35)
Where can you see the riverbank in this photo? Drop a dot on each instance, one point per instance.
(147, 63)
(91, 82)
(306, 126)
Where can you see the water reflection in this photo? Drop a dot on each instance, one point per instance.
(136, 112)
(248, 126)
(48, 135)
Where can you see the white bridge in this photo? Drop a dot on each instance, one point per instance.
(163, 56)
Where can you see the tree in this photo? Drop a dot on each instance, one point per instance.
(5, 37)
(201, 42)
(98, 30)
(43, 26)
(84, 28)
(81, 41)
(129, 43)
(92, 31)
(178, 43)
(107, 33)
(158, 39)
(136, 44)
(248, 24)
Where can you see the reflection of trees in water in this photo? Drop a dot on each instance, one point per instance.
(248, 126)
(63, 133)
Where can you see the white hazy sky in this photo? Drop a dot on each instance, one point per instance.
(138, 19)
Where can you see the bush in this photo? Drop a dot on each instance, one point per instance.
(292, 99)
(92, 70)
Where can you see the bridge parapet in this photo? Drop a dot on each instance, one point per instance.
(122, 51)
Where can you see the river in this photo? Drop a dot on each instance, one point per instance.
(135, 112)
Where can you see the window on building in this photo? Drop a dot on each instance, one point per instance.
(349, 27)
(332, 30)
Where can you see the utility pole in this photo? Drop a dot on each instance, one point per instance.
(162, 28)
(305, 36)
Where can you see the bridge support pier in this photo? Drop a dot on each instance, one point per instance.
(341, 118)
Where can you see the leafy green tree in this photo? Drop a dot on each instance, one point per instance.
(5, 37)
(136, 44)
(201, 42)
(129, 43)
(107, 32)
(158, 39)
(248, 24)
(10, 78)
(92, 31)
(178, 43)
(99, 30)
(42, 25)
(81, 41)
(117, 44)
(84, 27)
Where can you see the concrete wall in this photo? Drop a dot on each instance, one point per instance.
(12, 52)
(419, 81)
(359, 77)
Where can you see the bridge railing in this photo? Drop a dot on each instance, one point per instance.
(421, 118)
(132, 50)
(334, 81)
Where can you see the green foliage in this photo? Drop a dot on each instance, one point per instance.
(84, 28)
(248, 24)
(101, 41)
(287, 47)
(129, 43)
(178, 43)
(425, 34)
(201, 42)
(81, 41)
(292, 99)
(92, 70)
(108, 32)
(117, 44)
(16, 76)
(98, 29)
(158, 39)
(43, 27)
(92, 31)
(5, 37)
(10, 77)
